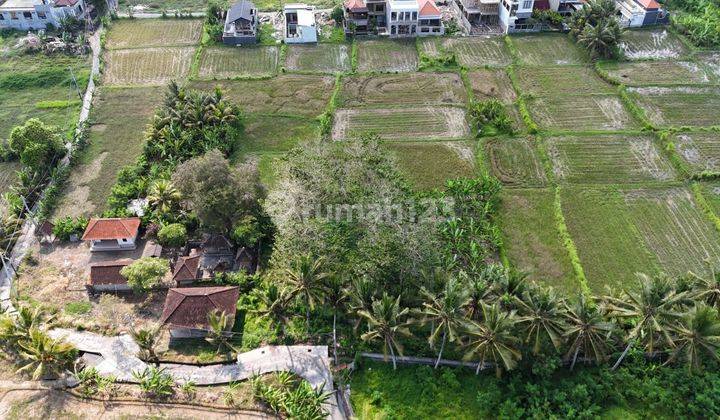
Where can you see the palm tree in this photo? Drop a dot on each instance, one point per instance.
(697, 333)
(163, 196)
(386, 321)
(494, 340)
(336, 297)
(218, 333)
(147, 339)
(445, 312)
(541, 315)
(707, 287)
(275, 306)
(586, 331)
(652, 308)
(361, 293)
(16, 327)
(305, 279)
(479, 292)
(601, 39)
(44, 355)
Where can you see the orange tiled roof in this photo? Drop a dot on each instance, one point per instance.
(356, 5)
(428, 8)
(649, 4)
(104, 229)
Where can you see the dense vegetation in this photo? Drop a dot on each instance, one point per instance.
(699, 20)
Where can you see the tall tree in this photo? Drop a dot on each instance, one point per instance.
(387, 321)
(706, 287)
(587, 330)
(43, 356)
(697, 334)
(541, 316)
(361, 292)
(275, 306)
(163, 196)
(493, 340)
(305, 280)
(218, 334)
(337, 299)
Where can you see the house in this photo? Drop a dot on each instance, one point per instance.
(241, 23)
(478, 13)
(187, 309)
(38, 14)
(106, 277)
(515, 16)
(187, 271)
(299, 24)
(430, 19)
(214, 254)
(637, 13)
(152, 249)
(396, 18)
(244, 260)
(355, 21)
(112, 234)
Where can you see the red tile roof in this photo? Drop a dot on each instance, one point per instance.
(356, 6)
(428, 8)
(649, 4)
(108, 272)
(189, 307)
(186, 268)
(103, 229)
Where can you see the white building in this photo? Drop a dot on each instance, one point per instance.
(300, 25)
(636, 13)
(38, 14)
(515, 14)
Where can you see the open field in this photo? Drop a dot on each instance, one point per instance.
(227, 63)
(615, 159)
(411, 124)
(291, 94)
(119, 118)
(387, 56)
(652, 43)
(595, 112)
(320, 58)
(701, 151)
(265, 133)
(430, 165)
(403, 89)
(640, 73)
(711, 61)
(680, 106)
(531, 238)
(149, 66)
(547, 49)
(476, 51)
(711, 192)
(554, 81)
(491, 84)
(515, 162)
(136, 33)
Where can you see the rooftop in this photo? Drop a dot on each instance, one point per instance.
(108, 272)
(107, 229)
(189, 307)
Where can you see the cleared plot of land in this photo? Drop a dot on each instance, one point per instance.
(134, 33)
(265, 133)
(680, 106)
(491, 84)
(476, 51)
(403, 89)
(119, 118)
(321, 58)
(607, 159)
(654, 44)
(531, 237)
(149, 66)
(515, 162)
(712, 62)
(656, 73)
(226, 63)
(700, 150)
(592, 112)
(291, 94)
(387, 56)
(424, 123)
(561, 81)
(547, 49)
(430, 165)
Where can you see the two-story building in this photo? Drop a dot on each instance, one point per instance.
(396, 18)
(241, 24)
(636, 13)
(300, 25)
(515, 15)
(38, 14)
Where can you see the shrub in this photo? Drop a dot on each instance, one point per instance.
(246, 232)
(67, 227)
(145, 273)
(337, 14)
(490, 117)
(154, 382)
(78, 308)
(173, 235)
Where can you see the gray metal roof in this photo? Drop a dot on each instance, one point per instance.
(241, 10)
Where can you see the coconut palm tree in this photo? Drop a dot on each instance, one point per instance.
(218, 335)
(386, 322)
(696, 334)
(16, 327)
(479, 292)
(147, 339)
(541, 316)
(586, 331)
(493, 340)
(305, 279)
(43, 355)
(361, 293)
(601, 39)
(336, 297)
(446, 313)
(707, 287)
(163, 196)
(275, 306)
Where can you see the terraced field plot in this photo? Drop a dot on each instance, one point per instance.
(680, 106)
(653, 43)
(149, 66)
(531, 237)
(227, 63)
(491, 84)
(617, 159)
(290, 94)
(135, 33)
(593, 112)
(403, 89)
(566, 81)
(430, 165)
(409, 124)
(711, 61)
(387, 56)
(515, 162)
(119, 118)
(657, 73)
(320, 58)
(476, 51)
(547, 49)
(266, 133)
(711, 192)
(700, 150)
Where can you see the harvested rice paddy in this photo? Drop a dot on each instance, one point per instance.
(141, 33)
(475, 51)
(320, 58)
(515, 162)
(387, 56)
(579, 113)
(657, 73)
(430, 165)
(652, 44)
(149, 66)
(403, 89)
(408, 124)
(547, 49)
(491, 84)
(680, 106)
(228, 63)
(701, 151)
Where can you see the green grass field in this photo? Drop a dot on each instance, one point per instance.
(320, 58)
(430, 165)
(387, 56)
(558, 81)
(476, 51)
(228, 63)
(403, 90)
(407, 124)
(671, 72)
(148, 66)
(680, 106)
(581, 113)
(547, 49)
(266, 133)
(515, 162)
(143, 33)
(701, 151)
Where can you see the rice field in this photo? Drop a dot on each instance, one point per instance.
(273, 134)
(387, 56)
(491, 84)
(429, 165)
(142, 33)
(652, 44)
(559, 81)
(149, 66)
(515, 162)
(711, 192)
(611, 159)
(711, 61)
(320, 58)
(657, 73)
(476, 51)
(408, 124)
(680, 106)
(579, 113)
(701, 151)
(228, 63)
(547, 49)
(403, 90)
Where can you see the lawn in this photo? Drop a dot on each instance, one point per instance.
(387, 56)
(142, 33)
(579, 113)
(292, 94)
(611, 159)
(430, 165)
(652, 44)
(320, 58)
(673, 72)
(547, 49)
(409, 124)
(680, 106)
(119, 118)
(561, 82)
(531, 238)
(265, 133)
(403, 89)
(228, 63)
(515, 162)
(476, 51)
(701, 151)
(148, 66)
